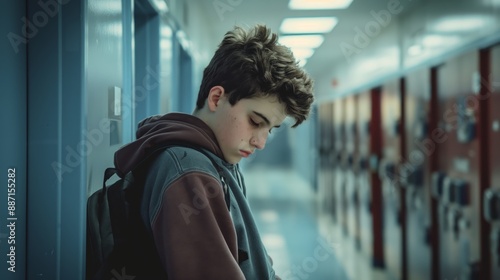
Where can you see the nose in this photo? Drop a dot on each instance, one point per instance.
(259, 140)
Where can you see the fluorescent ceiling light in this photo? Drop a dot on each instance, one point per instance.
(302, 41)
(308, 25)
(461, 24)
(300, 53)
(318, 4)
(434, 40)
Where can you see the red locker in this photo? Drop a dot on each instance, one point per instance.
(414, 172)
(455, 184)
(491, 199)
(388, 172)
(377, 200)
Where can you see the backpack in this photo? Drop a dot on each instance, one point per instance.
(118, 243)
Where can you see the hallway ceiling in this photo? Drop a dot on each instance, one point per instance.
(272, 13)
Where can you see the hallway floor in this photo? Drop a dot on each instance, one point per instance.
(303, 243)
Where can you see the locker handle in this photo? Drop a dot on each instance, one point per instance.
(448, 195)
(362, 164)
(437, 183)
(461, 192)
(466, 130)
(387, 169)
(350, 160)
(491, 205)
(416, 177)
(396, 129)
(420, 129)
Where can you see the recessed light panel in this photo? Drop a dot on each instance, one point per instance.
(318, 4)
(302, 41)
(308, 25)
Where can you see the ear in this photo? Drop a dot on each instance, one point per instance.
(215, 95)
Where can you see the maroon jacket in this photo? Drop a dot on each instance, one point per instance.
(194, 203)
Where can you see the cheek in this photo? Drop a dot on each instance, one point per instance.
(230, 130)
(239, 132)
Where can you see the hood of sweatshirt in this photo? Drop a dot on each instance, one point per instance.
(164, 130)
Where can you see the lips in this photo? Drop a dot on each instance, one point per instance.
(244, 153)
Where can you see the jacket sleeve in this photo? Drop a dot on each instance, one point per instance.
(193, 230)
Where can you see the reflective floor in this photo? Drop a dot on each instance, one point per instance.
(303, 243)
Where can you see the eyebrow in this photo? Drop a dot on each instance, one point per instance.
(266, 120)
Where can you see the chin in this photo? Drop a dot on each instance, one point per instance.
(234, 160)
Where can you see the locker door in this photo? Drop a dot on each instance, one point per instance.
(351, 183)
(392, 204)
(13, 122)
(491, 199)
(377, 200)
(58, 143)
(330, 160)
(323, 143)
(339, 180)
(456, 181)
(415, 173)
(364, 208)
(147, 60)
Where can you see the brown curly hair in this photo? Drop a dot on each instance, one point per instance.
(251, 64)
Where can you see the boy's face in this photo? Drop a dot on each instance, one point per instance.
(244, 127)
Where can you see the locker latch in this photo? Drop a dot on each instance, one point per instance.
(420, 129)
(461, 191)
(416, 177)
(362, 163)
(396, 127)
(437, 183)
(388, 170)
(455, 191)
(491, 206)
(466, 131)
(350, 161)
(448, 194)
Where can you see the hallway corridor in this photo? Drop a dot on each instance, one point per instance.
(285, 211)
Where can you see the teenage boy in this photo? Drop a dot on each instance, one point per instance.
(194, 203)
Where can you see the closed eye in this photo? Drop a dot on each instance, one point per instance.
(257, 124)
(254, 123)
